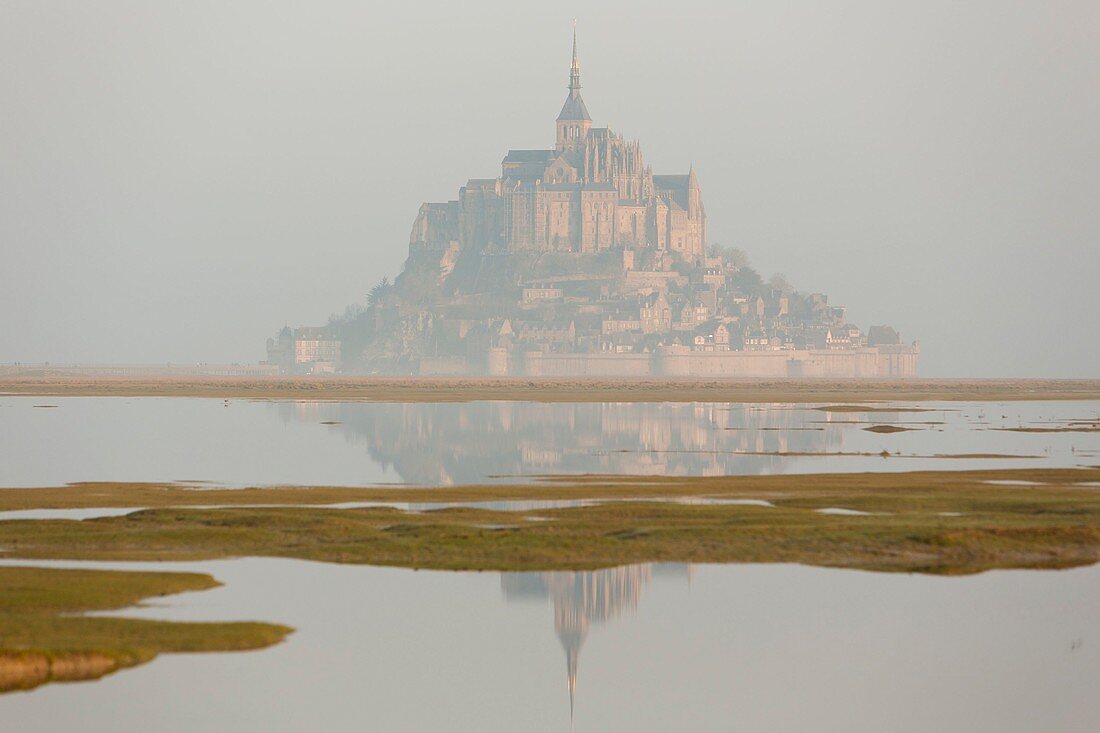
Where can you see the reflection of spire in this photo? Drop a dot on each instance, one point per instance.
(581, 599)
(571, 655)
(571, 625)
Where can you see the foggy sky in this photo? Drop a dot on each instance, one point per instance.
(178, 180)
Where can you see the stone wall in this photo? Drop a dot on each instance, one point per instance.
(682, 362)
(898, 360)
(835, 363)
(444, 365)
(538, 364)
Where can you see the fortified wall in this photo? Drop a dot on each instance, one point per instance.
(672, 361)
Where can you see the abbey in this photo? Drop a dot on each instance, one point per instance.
(578, 261)
(590, 193)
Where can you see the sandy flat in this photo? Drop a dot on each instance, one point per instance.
(459, 389)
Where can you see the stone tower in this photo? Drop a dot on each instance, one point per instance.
(592, 192)
(573, 121)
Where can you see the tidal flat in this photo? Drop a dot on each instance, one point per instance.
(46, 382)
(403, 509)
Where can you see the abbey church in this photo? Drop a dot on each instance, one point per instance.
(578, 261)
(590, 193)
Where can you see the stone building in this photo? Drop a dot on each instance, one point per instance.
(590, 193)
(578, 261)
(304, 350)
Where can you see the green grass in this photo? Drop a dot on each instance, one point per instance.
(43, 637)
(1054, 525)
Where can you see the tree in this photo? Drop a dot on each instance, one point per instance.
(732, 256)
(375, 295)
(747, 280)
(779, 282)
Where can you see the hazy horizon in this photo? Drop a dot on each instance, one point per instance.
(180, 181)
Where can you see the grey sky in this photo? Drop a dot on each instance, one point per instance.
(178, 180)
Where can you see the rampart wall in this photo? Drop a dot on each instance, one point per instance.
(682, 362)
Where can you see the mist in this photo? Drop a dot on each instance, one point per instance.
(181, 180)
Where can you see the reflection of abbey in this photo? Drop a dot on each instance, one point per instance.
(582, 599)
(431, 444)
(578, 261)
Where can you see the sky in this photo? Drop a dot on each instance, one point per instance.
(180, 180)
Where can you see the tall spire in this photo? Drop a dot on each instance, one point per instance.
(575, 70)
(573, 121)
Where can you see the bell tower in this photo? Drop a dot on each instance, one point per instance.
(573, 121)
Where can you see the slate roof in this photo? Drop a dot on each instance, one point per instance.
(574, 108)
(671, 182)
(529, 156)
(877, 335)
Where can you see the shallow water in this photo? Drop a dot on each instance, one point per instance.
(646, 648)
(638, 648)
(508, 505)
(428, 444)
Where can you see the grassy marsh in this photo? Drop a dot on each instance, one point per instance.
(43, 637)
(942, 522)
(912, 526)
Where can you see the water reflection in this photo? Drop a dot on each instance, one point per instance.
(430, 444)
(812, 649)
(362, 444)
(582, 599)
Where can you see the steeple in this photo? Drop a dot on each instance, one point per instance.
(573, 121)
(575, 70)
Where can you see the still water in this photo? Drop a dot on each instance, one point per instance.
(640, 648)
(49, 441)
(637, 648)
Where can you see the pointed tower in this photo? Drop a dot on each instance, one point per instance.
(697, 218)
(695, 194)
(573, 121)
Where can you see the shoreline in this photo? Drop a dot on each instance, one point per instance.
(609, 487)
(56, 624)
(467, 389)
